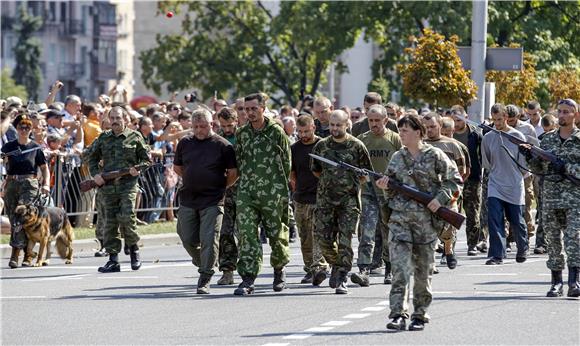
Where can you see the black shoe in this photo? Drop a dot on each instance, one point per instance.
(540, 250)
(439, 248)
(112, 266)
(471, 251)
(101, 253)
(451, 261)
(521, 259)
(279, 280)
(398, 323)
(126, 249)
(573, 282)
(246, 287)
(319, 277)
(388, 278)
(494, 261)
(416, 324)
(481, 246)
(435, 270)
(307, 279)
(293, 234)
(135, 257)
(333, 281)
(361, 278)
(203, 284)
(557, 288)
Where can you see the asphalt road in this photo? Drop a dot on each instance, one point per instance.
(473, 304)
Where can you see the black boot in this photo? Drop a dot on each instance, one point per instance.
(341, 283)
(398, 323)
(13, 263)
(135, 257)
(557, 288)
(388, 274)
(319, 276)
(451, 261)
(361, 278)
(279, 280)
(203, 284)
(307, 279)
(126, 249)
(417, 324)
(246, 287)
(293, 234)
(112, 266)
(332, 282)
(573, 282)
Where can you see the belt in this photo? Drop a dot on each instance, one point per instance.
(20, 177)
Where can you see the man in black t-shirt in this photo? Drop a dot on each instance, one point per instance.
(304, 185)
(207, 164)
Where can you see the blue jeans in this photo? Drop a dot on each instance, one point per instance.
(496, 208)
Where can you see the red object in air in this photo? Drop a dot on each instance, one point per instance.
(169, 14)
(142, 101)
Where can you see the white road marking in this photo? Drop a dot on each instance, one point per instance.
(318, 329)
(492, 274)
(356, 316)
(374, 308)
(508, 293)
(297, 336)
(277, 344)
(336, 323)
(58, 278)
(24, 297)
(383, 303)
(127, 277)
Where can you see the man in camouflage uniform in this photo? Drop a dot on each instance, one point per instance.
(454, 151)
(560, 212)
(263, 154)
(412, 236)
(337, 199)
(381, 144)
(119, 148)
(228, 249)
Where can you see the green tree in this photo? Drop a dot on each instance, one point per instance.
(380, 84)
(243, 47)
(10, 88)
(27, 52)
(435, 74)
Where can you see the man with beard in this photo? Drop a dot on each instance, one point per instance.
(304, 185)
(337, 198)
(120, 148)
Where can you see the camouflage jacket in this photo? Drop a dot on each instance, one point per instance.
(336, 186)
(117, 152)
(559, 192)
(431, 172)
(263, 158)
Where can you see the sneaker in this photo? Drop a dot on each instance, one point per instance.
(361, 278)
(494, 261)
(481, 246)
(203, 284)
(471, 251)
(246, 287)
(341, 288)
(416, 325)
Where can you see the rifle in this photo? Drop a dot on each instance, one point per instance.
(450, 216)
(90, 184)
(536, 151)
(20, 151)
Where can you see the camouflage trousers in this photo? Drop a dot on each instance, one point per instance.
(370, 223)
(472, 208)
(16, 193)
(412, 250)
(483, 214)
(272, 214)
(335, 226)
(558, 224)
(100, 226)
(311, 253)
(529, 197)
(228, 249)
(120, 219)
(540, 236)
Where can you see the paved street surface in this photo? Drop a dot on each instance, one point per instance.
(474, 304)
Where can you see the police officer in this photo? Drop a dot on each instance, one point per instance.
(119, 148)
(22, 158)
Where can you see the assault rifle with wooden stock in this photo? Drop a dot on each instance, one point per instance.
(453, 218)
(109, 176)
(536, 151)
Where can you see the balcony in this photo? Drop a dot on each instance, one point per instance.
(72, 27)
(105, 71)
(69, 71)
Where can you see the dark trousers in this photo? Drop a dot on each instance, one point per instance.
(496, 223)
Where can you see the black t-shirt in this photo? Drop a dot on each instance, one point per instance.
(204, 166)
(23, 164)
(306, 182)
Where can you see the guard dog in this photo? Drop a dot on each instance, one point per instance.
(42, 225)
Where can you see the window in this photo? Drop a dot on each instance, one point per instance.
(52, 11)
(63, 12)
(107, 52)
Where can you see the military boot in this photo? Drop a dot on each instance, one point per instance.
(307, 279)
(112, 266)
(388, 274)
(319, 276)
(557, 288)
(203, 284)
(279, 280)
(135, 257)
(332, 282)
(361, 278)
(293, 234)
(341, 283)
(573, 282)
(451, 261)
(13, 263)
(246, 287)
(227, 278)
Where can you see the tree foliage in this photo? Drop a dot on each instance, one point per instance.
(380, 84)
(435, 74)
(564, 83)
(244, 47)
(27, 52)
(10, 88)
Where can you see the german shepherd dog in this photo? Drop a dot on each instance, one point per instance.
(42, 225)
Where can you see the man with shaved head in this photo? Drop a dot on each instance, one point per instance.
(338, 203)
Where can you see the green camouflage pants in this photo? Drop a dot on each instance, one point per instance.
(311, 253)
(558, 224)
(100, 208)
(273, 215)
(120, 218)
(335, 226)
(16, 193)
(228, 249)
(472, 208)
(369, 223)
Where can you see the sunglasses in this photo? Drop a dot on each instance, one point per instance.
(175, 109)
(25, 128)
(568, 102)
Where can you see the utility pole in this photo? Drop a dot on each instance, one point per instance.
(478, 56)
